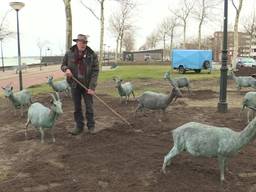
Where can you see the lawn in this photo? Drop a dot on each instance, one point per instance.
(136, 72)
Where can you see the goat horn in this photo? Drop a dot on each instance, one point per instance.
(57, 95)
(52, 96)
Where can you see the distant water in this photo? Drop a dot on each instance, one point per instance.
(13, 61)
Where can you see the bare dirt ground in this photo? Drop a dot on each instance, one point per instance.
(120, 158)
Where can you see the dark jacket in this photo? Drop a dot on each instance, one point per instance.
(92, 67)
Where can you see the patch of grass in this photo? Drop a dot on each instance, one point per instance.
(130, 72)
(40, 88)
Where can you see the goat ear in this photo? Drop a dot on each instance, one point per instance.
(3, 88)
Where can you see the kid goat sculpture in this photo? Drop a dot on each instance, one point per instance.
(155, 101)
(124, 89)
(178, 82)
(249, 101)
(42, 117)
(19, 99)
(206, 140)
(59, 86)
(243, 81)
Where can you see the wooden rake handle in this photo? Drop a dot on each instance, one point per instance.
(105, 104)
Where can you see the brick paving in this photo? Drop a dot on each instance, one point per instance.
(31, 76)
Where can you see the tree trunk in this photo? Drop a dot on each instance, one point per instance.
(68, 24)
(235, 52)
(184, 35)
(101, 33)
(121, 42)
(199, 34)
(171, 43)
(117, 48)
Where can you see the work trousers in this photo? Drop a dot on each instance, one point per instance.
(77, 94)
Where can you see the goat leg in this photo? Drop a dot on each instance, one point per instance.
(26, 128)
(53, 138)
(42, 134)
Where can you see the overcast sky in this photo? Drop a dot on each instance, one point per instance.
(44, 20)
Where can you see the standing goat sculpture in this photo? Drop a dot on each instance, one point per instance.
(157, 101)
(42, 117)
(59, 86)
(249, 101)
(178, 82)
(206, 140)
(124, 89)
(243, 81)
(20, 99)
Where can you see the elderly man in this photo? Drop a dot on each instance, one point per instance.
(82, 63)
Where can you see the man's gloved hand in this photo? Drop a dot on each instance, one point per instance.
(68, 73)
(90, 92)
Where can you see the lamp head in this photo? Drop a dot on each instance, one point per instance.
(17, 5)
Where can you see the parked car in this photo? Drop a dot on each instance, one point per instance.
(245, 62)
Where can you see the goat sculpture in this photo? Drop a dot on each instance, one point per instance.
(178, 82)
(59, 86)
(249, 101)
(155, 101)
(124, 89)
(243, 81)
(19, 99)
(42, 117)
(206, 140)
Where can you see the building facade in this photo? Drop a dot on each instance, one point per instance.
(143, 56)
(244, 48)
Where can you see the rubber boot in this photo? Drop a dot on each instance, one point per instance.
(76, 131)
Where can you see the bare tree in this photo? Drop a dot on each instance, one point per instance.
(102, 20)
(152, 41)
(120, 23)
(41, 45)
(129, 40)
(68, 12)
(250, 27)
(115, 28)
(183, 14)
(166, 30)
(202, 13)
(126, 13)
(238, 10)
(4, 33)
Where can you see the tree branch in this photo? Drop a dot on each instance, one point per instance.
(90, 10)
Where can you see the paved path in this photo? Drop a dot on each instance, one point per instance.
(31, 76)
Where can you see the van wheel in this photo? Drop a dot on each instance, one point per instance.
(182, 70)
(206, 65)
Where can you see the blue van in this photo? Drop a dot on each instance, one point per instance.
(191, 59)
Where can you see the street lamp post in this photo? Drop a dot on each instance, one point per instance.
(2, 55)
(17, 6)
(222, 105)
